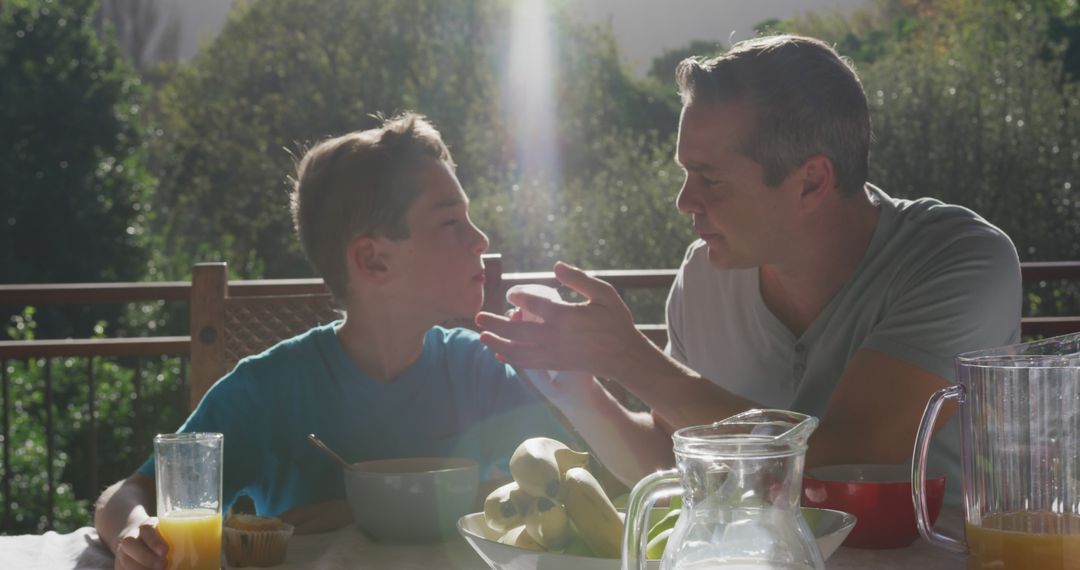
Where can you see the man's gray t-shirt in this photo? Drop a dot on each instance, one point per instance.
(937, 280)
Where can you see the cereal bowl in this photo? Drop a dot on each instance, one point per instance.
(411, 500)
(829, 528)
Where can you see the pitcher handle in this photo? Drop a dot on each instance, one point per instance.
(918, 469)
(659, 485)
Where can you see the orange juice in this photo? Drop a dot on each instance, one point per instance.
(1025, 541)
(194, 537)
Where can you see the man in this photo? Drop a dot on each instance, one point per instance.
(809, 289)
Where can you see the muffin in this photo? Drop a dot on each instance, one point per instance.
(252, 540)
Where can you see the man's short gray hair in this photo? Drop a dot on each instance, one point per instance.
(807, 100)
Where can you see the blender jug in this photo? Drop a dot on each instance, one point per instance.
(740, 480)
(1019, 410)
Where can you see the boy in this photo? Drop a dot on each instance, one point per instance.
(383, 219)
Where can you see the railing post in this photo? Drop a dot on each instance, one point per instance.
(209, 286)
(49, 451)
(7, 445)
(91, 402)
(137, 378)
(493, 291)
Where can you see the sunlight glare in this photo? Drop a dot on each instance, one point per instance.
(530, 91)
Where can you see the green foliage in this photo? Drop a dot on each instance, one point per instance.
(663, 66)
(284, 73)
(71, 166)
(133, 401)
(972, 103)
(972, 113)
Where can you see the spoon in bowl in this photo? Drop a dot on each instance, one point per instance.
(314, 439)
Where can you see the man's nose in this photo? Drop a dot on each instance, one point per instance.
(687, 201)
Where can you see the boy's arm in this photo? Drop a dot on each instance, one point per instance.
(319, 517)
(122, 519)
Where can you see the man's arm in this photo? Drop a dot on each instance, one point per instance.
(872, 416)
(875, 412)
(599, 338)
(122, 519)
(629, 444)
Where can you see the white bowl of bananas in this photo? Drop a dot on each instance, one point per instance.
(556, 516)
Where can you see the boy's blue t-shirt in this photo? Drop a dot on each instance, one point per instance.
(455, 400)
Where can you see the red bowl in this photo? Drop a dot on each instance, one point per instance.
(878, 495)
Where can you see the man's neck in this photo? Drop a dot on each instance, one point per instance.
(797, 290)
(381, 346)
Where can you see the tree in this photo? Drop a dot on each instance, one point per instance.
(663, 66)
(286, 73)
(72, 177)
(975, 104)
(148, 31)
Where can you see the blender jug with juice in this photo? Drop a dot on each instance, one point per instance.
(1019, 411)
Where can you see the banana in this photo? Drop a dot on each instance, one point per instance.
(547, 523)
(567, 459)
(539, 463)
(665, 523)
(654, 550)
(592, 513)
(519, 538)
(505, 507)
(577, 545)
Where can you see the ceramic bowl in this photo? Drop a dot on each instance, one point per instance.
(411, 500)
(878, 495)
(829, 528)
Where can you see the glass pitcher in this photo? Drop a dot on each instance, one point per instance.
(740, 481)
(1019, 410)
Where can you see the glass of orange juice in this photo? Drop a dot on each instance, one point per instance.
(188, 471)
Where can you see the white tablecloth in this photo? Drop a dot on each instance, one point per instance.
(349, 549)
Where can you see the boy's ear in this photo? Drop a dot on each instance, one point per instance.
(366, 257)
(817, 179)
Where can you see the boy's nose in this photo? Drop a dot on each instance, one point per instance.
(482, 242)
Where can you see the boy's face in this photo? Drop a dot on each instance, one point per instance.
(438, 267)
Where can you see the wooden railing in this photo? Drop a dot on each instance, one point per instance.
(179, 291)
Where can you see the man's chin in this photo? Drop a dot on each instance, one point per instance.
(721, 258)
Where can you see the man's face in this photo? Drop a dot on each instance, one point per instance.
(438, 268)
(743, 221)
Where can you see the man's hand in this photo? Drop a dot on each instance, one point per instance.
(319, 517)
(594, 337)
(141, 547)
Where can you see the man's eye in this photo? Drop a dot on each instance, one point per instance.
(450, 223)
(710, 181)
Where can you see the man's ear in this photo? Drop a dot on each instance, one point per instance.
(366, 258)
(818, 179)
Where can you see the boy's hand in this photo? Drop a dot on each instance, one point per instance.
(141, 547)
(319, 517)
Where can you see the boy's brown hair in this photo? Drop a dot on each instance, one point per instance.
(361, 183)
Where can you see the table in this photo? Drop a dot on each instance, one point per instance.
(349, 549)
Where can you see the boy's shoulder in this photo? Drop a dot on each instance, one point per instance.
(453, 336)
(460, 349)
(281, 358)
